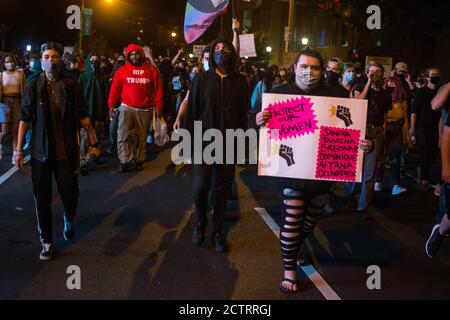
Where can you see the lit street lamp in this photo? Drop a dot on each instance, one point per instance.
(305, 41)
(269, 49)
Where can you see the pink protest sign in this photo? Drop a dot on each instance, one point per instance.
(337, 156)
(291, 118)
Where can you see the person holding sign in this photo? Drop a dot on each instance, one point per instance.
(302, 200)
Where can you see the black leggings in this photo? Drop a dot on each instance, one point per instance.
(300, 217)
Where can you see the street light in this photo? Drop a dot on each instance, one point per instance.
(173, 34)
(269, 49)
(305, 41)
(191, 55)
(28, 48)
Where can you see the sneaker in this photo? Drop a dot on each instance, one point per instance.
(397, 190)
(219, 242)
(124, 167)
(437, 190)
(69, 230)
(198, 237)
(84, 171)
(13, 160)
(47, 252)
(329, 209)
(378, 187)
(434, 242)
(139, 166)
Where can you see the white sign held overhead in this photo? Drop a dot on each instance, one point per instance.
(69, 49)
(247, 45)
(386, 62)
(198, 50)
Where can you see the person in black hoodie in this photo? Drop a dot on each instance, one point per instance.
(302, 200)
(220, 99)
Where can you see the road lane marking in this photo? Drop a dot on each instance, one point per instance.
(11, 171)
(318, 281)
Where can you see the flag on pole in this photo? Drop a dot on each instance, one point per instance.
(200, 14)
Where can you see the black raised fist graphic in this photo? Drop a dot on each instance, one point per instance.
(343, 113)
(287, 154)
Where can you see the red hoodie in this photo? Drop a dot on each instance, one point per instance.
(136, 86)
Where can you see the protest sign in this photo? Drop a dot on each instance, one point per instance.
(315, 138)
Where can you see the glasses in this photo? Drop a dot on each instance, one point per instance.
(313, 68)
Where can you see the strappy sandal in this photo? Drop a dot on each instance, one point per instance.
(292, 282)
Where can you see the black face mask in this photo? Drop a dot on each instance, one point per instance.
(95, 65)
(435, 80)
(331, 78)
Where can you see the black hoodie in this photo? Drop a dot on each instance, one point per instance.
(220, 103)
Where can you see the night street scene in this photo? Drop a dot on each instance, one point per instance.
(254, 153)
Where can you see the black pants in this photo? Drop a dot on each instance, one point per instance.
(394, 147)
(66, 177)
(429, 150)
(218, 178)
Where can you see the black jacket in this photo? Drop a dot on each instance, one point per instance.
(36, 109)
(220, 103)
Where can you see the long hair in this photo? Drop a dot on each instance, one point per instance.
(399, 93)
(6, 55)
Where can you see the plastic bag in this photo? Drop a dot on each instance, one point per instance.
(160, 135)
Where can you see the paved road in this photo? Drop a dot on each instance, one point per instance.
(134, 230)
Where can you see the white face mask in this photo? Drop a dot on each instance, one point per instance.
(9, 66)
(32, 64)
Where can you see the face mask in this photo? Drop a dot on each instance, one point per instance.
(9, 66)
(435, 80)
(50, 68)
(206, 65)
(377, 76)
(332, 78)
(95, 65)
(32, 64)
(349, 77)
(307, 77)
(223, 60)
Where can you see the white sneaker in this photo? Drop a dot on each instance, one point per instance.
(13, 160)
(396, 190)
(437, 190)
(378, 187)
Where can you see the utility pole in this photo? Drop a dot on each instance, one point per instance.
(80, 40)
(288, 37)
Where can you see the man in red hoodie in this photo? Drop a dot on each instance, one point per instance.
(137, 88)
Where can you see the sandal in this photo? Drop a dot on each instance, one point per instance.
(292, 282)
(302, 260)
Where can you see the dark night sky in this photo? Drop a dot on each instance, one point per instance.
(37, 21)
